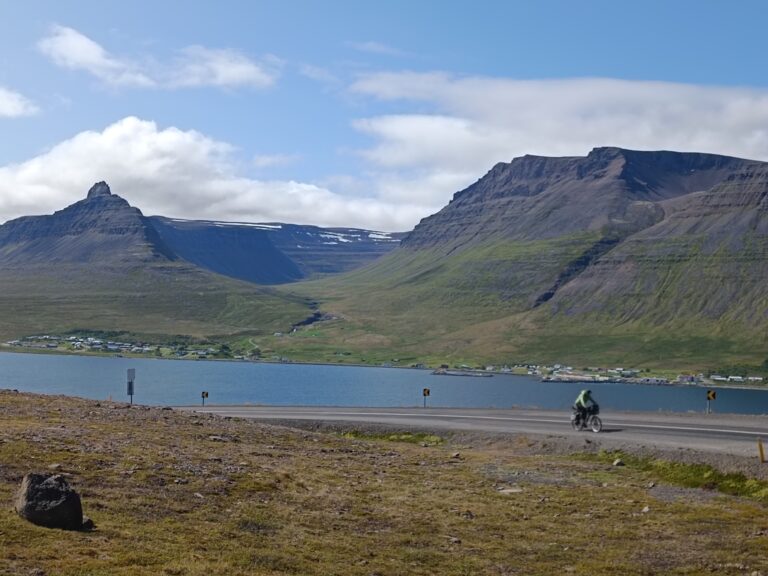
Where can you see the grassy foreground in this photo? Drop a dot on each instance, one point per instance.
(177, 493)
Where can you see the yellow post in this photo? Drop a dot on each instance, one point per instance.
(760, 449)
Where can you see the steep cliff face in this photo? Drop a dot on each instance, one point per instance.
(610, 191)
(102, 228)
(707, 259)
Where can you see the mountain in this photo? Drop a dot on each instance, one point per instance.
(621, 255)
(99, 264)
(272, 253)
(101, 228)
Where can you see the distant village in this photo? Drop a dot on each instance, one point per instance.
(79, 343)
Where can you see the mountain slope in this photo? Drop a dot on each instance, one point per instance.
(100, 264)
(620, 255)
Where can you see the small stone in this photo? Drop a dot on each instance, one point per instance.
(618, 462)
(55, 466)
(646, 510)
(454, 540)
(651, 485)
(198, 495)
(456, 455)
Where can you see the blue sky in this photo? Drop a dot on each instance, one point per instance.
(356, 113)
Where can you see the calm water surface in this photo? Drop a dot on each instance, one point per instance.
(177, 382)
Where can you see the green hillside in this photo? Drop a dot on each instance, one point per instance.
(159, 300)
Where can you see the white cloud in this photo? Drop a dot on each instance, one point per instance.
(473, 122)
(69, 48)
(13, 104)
(195, 66)
(180, 174)
(200, 66)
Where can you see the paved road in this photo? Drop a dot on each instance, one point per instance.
(727, 434)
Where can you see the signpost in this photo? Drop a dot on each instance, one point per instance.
(711, 395)
(131, 378)
(426, 393)
(204, 395)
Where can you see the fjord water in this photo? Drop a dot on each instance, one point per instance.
(179, 382)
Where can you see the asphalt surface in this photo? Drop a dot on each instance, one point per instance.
(716, 433)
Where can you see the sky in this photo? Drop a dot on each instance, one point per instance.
(351, 113)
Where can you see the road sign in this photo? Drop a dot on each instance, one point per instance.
(711, 395)
(204, 395)
(426, 392)
(131, 378)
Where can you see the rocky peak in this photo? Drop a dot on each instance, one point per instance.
(103, 226)
(99, 189)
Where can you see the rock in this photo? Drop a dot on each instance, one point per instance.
(646, 510)
(456, 455)
(618, 462)
(88, 524)
(55, 466)
(47, 500)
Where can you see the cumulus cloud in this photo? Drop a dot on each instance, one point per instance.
(13, 104)
(180, 174)
(473, 122)
(193, 67)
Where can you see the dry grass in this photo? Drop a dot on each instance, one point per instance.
(176, 493)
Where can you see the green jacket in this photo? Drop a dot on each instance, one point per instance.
(584, 398)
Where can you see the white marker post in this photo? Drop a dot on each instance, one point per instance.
(131, 378)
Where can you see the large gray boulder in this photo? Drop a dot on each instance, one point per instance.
(47, 500)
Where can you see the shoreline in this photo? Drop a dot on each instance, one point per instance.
(5, 348)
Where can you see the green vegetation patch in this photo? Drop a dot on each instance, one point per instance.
(692, 475)
(421, 438)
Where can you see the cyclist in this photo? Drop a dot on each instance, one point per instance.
(583, 404)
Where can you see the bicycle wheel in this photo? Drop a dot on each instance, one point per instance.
(577, 424)
(595, 424)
